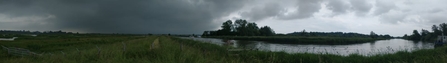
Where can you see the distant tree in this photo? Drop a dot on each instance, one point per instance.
(252, 29)
(206, 33)
(388, 36)
(303, 33)
(416, 35)
(443, 28)
(425, 34)
(241, 26)
(405, 36)
(266, 31)
(436, 30)
(227, 28)
(373, 35)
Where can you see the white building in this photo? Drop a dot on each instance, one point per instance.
(442, 38)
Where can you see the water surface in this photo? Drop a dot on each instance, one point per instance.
(369, 48)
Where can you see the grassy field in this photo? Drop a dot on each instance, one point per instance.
(176, 50)
(304, 40)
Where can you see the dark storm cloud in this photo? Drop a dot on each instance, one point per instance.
(196, 16)
(125, 16)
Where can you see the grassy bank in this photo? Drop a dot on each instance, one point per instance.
(176, 50)
(303, 40)
(112, 50)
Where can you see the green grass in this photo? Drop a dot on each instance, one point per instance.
(170, 51)
(303, 40)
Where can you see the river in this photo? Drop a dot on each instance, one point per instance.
(366, 49)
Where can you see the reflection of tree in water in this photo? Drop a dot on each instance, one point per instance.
(246, 44)
(372, 45)
(261, 46)
(228, 42)
(420, 44)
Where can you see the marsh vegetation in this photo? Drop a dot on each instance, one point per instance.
(173, 49)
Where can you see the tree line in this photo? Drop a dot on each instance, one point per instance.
(243, 28)
(240, 28)
(33, 32)
(426, 35)
(337, 34)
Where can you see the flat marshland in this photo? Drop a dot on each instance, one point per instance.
(93, 48)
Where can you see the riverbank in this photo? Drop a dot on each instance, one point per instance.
(303, 40)
(177, 50)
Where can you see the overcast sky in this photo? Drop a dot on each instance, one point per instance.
(394, 17)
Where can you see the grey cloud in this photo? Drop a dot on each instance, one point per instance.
(383, 7)
(306, 9)
(436, 10)
(125, 16)
(277, 9)
(423, 15)
(338, 6)
(361, 7)
(393, 17)
(266, 11)
(435, 17)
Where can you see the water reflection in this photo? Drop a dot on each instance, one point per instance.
(370, 48)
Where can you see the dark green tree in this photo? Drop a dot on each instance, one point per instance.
(226, 28)
(206, 33)
(303, 33)
(240, 24)
(252, 29)
(266, 31)
(416, 35)
(436, 30)
(388, 36)
(241, 27)
(405, 36)
(443, 28)
(425, 34)
(373, 35)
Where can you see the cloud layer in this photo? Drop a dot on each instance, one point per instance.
(116, 16)
(195, 16)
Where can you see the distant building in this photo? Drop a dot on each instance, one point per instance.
(442, 38)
